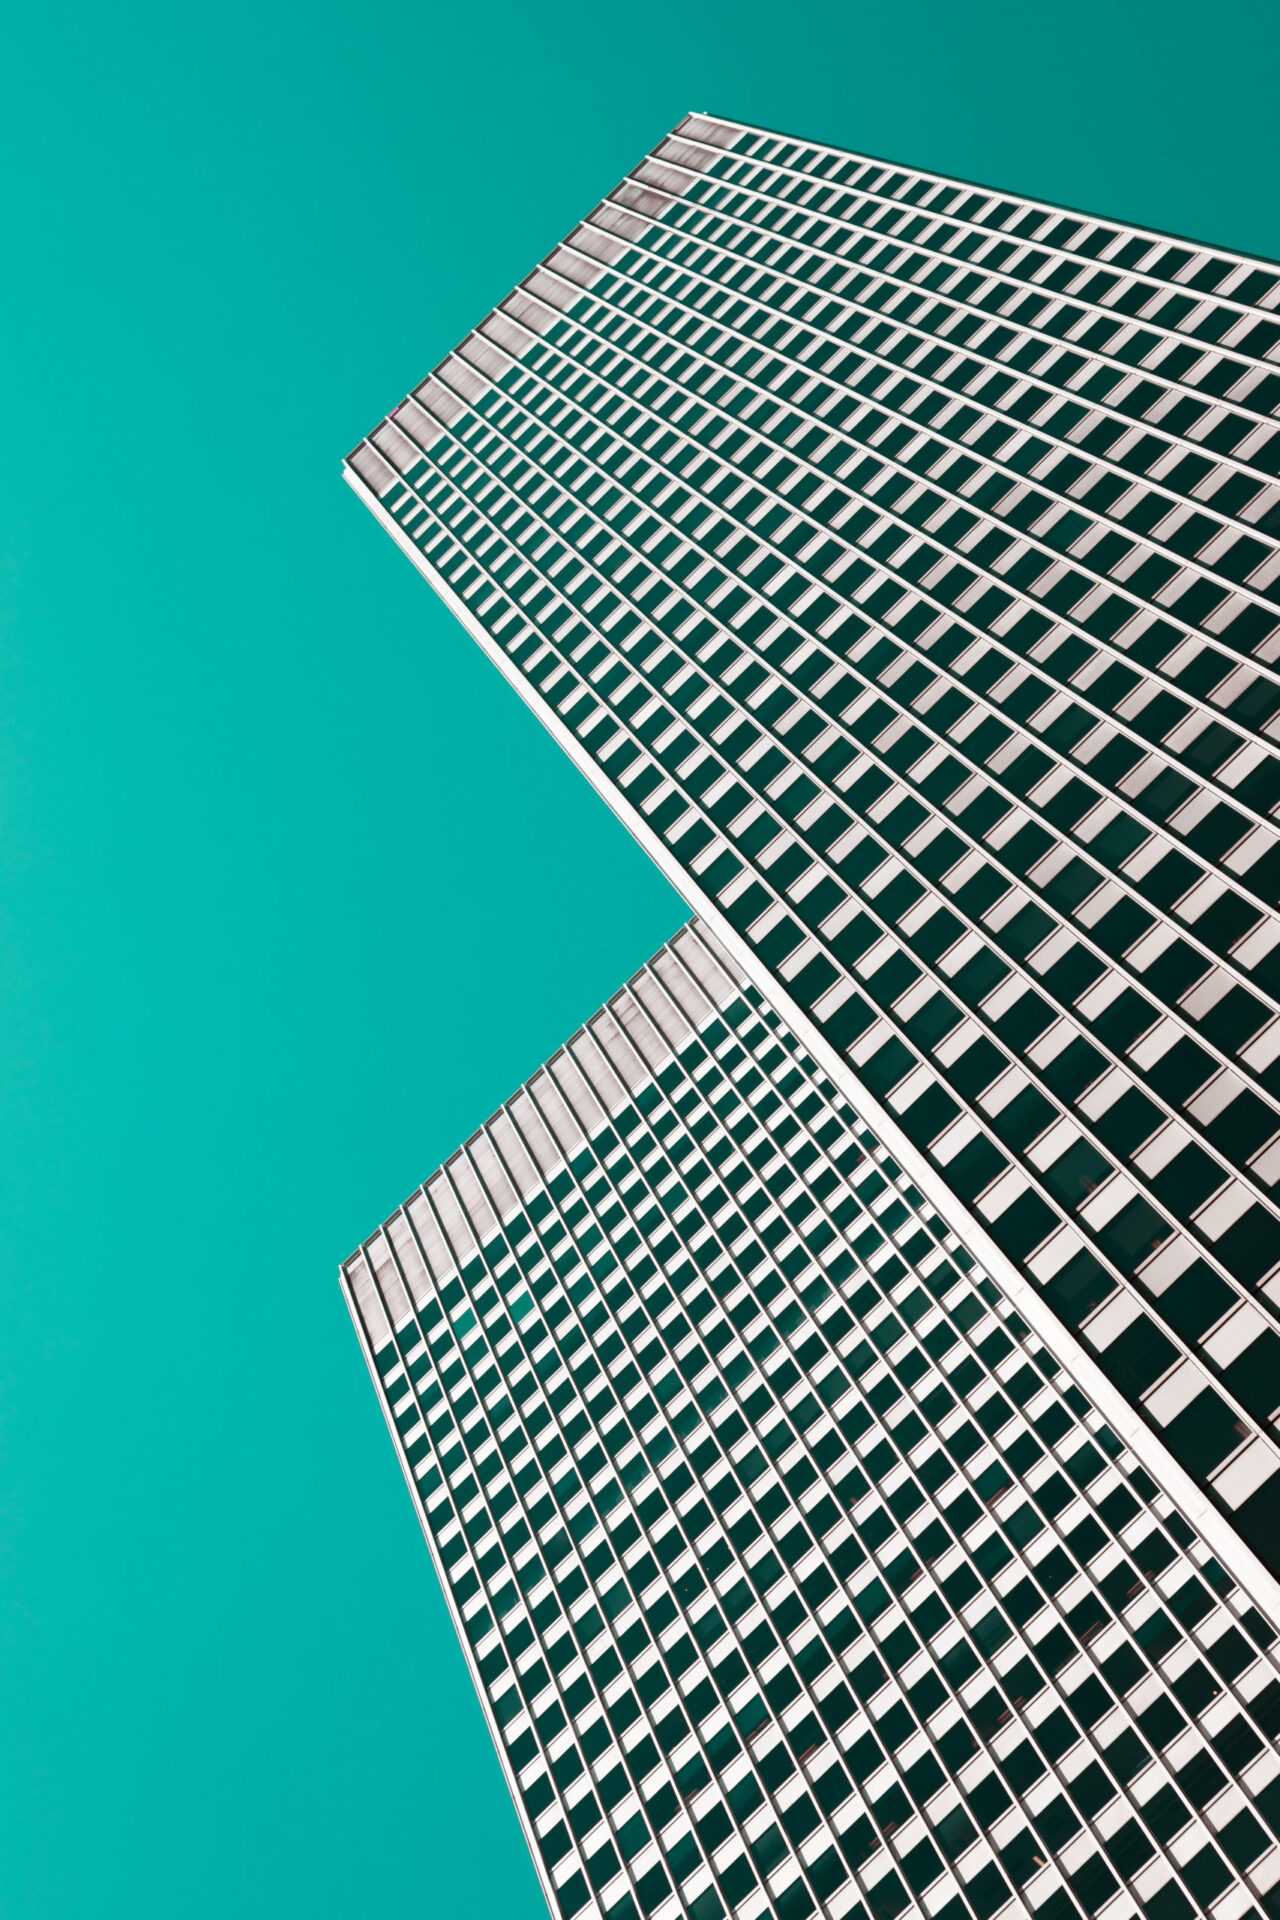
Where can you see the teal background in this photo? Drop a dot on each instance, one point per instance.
(294, 890)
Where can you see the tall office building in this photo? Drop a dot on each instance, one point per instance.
(899, 559)
(795, 1573)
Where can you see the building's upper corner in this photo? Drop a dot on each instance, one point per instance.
(371, 468)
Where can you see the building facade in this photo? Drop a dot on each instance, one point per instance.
(899, 559)
(795, 1574)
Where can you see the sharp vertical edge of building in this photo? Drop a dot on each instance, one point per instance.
(840, 1391)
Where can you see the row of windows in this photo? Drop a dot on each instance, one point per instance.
(834, 382)
(1245, 281)
(680, 1157)
(942, 295)
(701, 277)
(1115, 352)
(1225, 1439)
(1172, 285)
(988, 366)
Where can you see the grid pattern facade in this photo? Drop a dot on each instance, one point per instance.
(900, 559)
(794, 1573)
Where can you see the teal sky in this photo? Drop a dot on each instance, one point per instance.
(294, 891)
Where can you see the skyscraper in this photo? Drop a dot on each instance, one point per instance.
(794, 1572)
(899, 559)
